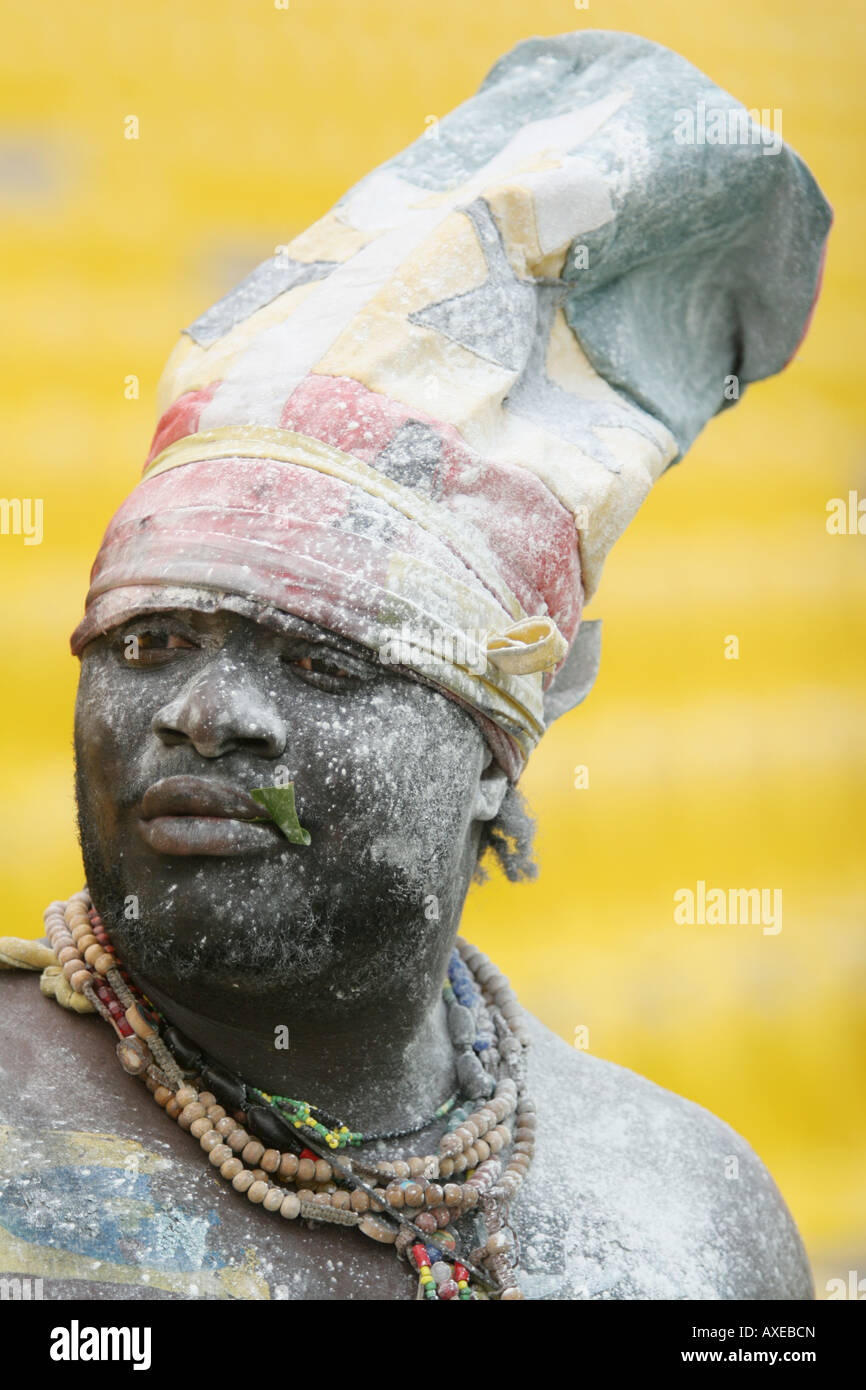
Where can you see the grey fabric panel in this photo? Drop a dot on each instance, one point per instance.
(535, 397)
(412, 457)
(577, 675)
(263, 285)
(497, 319)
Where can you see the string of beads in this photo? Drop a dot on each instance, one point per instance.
(281, 1153)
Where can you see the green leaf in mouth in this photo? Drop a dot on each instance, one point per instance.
(279, 802)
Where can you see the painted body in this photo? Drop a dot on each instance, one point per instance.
(631, 1195)
(634, 1192)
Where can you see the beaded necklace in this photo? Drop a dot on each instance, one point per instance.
(281, 1153)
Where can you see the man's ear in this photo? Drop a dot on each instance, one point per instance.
(576, 677)
(492, 787)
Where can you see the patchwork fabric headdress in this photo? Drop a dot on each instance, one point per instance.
(433, 412)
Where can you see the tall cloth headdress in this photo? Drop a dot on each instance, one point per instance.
(435, 410)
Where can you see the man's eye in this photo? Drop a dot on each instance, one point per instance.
(322, 668)
(326, 671)
(153, 648)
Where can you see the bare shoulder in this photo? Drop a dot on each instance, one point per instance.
(102, 1198)
(637, 1193)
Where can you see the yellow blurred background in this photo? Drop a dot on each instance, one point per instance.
(253, 119)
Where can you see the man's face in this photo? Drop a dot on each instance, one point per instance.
(179, 715)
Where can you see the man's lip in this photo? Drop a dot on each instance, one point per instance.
(217, 835)
(198, 796)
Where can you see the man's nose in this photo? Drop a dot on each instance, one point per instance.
(219, 710)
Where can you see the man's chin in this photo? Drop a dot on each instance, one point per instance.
(223, 953)
(230, 933)
(137, 883)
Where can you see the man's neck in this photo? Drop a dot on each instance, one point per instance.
(385, 1069)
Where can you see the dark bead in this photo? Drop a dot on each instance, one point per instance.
(186, 1052)
(461, 1025)
(229, 1090)
(265, 1125)
(147, 1014)
(474, 1081)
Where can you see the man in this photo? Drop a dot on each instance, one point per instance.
(426, 419)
